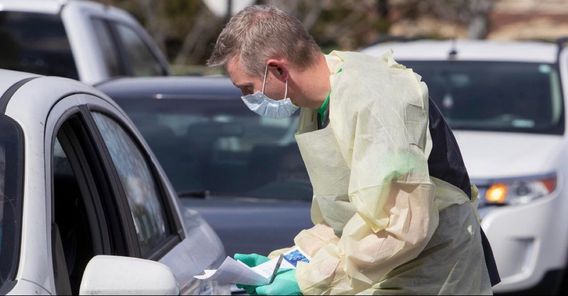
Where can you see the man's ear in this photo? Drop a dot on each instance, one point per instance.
(279, 69)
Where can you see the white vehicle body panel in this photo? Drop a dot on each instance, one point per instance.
(25, 287)
(41, 6)
(469, 51)
(502, 151)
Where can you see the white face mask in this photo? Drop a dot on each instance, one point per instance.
(267, 107)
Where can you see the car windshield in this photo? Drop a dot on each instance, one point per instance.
(10, 199)
(222, 147)
(36, 43)
(495, 96)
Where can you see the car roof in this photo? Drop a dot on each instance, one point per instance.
(473, 50)
(43, 6)
(8, 78)
(53, 6)
(50, 88)
(172, 87)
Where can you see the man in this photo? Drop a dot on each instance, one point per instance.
(393, 209)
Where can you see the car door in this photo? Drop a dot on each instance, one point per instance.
(97, 205)
(152, 206)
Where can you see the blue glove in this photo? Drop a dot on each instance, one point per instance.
(251, 260)
(284, 283)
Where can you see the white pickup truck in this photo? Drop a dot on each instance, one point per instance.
(83, 40)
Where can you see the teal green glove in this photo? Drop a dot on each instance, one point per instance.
(251, 260)
(284, 283)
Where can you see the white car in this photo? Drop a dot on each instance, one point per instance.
(84, 204)
(83, 40)
(505, 103)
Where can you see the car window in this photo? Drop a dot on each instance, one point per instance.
(11, 178)
(138, 182)
(36, 43)
(76, 240)
(141, 60)
(495, 96)
(221, 147)
(108, 47)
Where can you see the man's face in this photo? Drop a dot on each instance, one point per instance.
(248, 84)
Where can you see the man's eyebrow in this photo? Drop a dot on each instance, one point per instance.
(243, 84)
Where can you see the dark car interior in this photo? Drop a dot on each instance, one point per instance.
(25, 48)
(494, 96)
(72, 235)
(72, 228)
(77, 232)
(222, 148)
(202, 159)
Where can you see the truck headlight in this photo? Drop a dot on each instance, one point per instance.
(518, 191)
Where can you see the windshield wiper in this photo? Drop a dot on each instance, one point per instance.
(195, 194)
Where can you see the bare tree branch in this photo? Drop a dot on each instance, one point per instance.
(195, 42)
(311, 17)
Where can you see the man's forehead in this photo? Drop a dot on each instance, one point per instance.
(236, 72)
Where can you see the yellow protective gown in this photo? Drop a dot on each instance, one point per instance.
(382, 224)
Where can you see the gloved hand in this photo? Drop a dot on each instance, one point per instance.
(251, 260)
(284, 284)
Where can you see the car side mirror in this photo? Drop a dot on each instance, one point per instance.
(127, 275)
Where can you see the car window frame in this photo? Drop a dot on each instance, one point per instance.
(173, 221)
(112, 25)
(107, 198)
(111, 201)
(11, 281)
(80, 175)
(82, 159)
(123, 67)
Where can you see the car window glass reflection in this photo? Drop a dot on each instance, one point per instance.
(138, 183)
(24, 47)
(497, 96)
(142, 61)
(108, 46)
(223, 148)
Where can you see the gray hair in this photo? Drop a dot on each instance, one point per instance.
(260, 32)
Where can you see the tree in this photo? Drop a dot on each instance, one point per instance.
(474, 14)
(479, 20)
(196, 41)
(186, 30)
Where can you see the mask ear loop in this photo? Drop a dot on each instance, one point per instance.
(286, 91)
(264, 80)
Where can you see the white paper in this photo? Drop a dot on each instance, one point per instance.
(233, 271)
